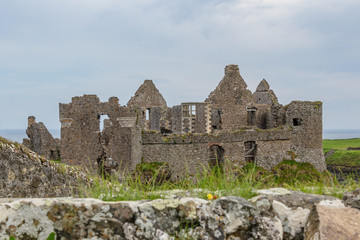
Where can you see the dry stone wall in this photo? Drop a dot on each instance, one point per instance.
(273, 214)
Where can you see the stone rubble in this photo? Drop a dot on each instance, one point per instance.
(273, 215)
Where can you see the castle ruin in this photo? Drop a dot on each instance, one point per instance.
(232, 125)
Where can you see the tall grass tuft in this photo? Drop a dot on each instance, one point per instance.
(219, 181)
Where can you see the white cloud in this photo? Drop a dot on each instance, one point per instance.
(305, 49)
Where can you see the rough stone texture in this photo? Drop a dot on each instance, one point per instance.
(264, 95)
(246, 127)
(23, 173)
(332, 220)
(176, 119)
(186, 153)
(196, 121)
(40, 140)
(293, 209)
(147, 96)
(352, 199)
(68, 218)
(83, 144)
(232, 97)
(230, 217)
(80, 131)
(225, 218)
(305, 121)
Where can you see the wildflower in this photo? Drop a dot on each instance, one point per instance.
(215, 197)
(210, 197)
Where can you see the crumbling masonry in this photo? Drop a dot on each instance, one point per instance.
(232, 124)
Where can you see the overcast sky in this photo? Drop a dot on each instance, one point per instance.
(53, 50)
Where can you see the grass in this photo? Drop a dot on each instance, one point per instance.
(241, 182)
(225, 181)
(341, 156)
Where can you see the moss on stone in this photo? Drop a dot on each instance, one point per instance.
(291, 172)
(292, 155)
(151, 166)
(317, 104)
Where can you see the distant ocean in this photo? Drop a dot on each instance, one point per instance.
(17, 135)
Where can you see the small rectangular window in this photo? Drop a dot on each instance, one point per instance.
(193, 110)
(250, 151)
(189, 110)
(147, 114)
(297, 121)
(102, 120)
(186, 111)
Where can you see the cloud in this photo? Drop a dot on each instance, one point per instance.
(305, 49)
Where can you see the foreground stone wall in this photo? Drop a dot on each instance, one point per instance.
(23, 173)
(274, 214)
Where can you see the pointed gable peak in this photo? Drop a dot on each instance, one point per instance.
(233, 78)
(147, 96)
(231, 82)
(264, 95)
(232, 86)
(263, 86)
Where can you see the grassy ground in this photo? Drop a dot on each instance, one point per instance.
(229, 181)
(341, 156)
(243, 182)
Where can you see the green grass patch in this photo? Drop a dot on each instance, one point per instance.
(341, 156)
(342, 144)
(226, 181)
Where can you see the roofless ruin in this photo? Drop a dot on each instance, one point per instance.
(232, 124)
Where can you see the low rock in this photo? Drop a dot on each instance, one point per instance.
(23, 173)
(271, 216)
(66, 217)
(332, 220)
(352, 199)
(293, 209)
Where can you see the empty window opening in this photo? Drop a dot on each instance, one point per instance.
(55, 155)
(189, 110)
(193, 110)
(216, 156)
(104, 121)
(186, 111)
(251, 117)
(250, 151)
(216, 119)
(297, 121)
(147, 114)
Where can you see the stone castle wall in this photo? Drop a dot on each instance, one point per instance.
(233, 123)
(190, 152)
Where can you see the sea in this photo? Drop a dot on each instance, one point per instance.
(17, 135)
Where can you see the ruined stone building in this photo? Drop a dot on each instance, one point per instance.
(41, 141)
(232, 124)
